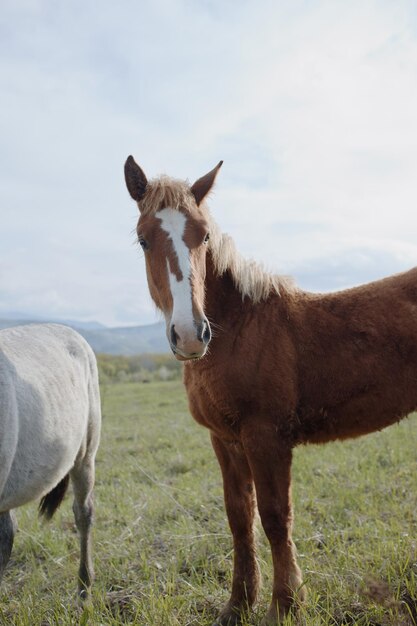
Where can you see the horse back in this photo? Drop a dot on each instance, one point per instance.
(357, 357)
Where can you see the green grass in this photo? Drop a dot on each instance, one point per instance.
(162, 546)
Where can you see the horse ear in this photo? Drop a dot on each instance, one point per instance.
(203, 185)
(136, 180)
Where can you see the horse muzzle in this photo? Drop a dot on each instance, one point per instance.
(188, 345)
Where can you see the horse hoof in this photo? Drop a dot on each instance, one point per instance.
(229, 619)
(276, 616)
(272, 620)
(84, 595)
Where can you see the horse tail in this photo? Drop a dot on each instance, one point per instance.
(49, 503)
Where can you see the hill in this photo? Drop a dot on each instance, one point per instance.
(126, 341)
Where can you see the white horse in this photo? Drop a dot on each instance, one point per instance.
(50, 422)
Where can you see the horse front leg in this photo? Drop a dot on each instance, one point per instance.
(270, 463)
(239, 497)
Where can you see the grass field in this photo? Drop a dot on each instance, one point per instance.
(161, 541)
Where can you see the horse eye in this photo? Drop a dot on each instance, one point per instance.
(143, 243)
(206, 238)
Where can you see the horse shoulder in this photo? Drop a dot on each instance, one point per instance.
(249, 375)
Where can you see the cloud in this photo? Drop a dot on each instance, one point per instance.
(311, 105)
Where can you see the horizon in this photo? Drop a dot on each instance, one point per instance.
(18, 316)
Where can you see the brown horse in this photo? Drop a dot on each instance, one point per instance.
(283, 367)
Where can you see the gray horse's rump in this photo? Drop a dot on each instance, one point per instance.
(50, 422)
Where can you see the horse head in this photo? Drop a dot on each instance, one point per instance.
(173, 230)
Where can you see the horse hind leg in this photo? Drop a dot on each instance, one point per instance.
(82, 477)
(7, 530)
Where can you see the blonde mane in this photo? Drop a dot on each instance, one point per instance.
(250, 277)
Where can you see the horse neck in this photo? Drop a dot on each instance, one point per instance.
(223, 301)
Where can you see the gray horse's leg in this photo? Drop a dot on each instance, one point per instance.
(82, 476)
(7, 530)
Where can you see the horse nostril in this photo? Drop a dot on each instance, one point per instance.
(205, 332)
(174, 336)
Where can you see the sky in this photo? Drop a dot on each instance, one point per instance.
(312, 105)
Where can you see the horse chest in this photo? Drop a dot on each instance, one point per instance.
(217, 403)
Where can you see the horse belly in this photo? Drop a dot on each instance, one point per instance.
(32, 477)
(356, 416)
(46, 450)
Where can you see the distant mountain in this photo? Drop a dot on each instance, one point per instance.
(26, 318)
(124, 341)
(129, 340)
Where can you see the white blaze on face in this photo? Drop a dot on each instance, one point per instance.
(173, 223)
